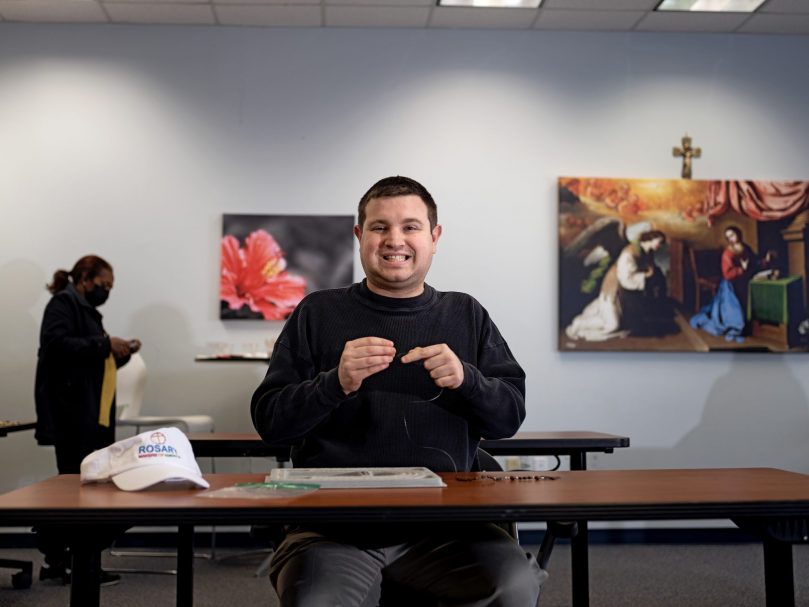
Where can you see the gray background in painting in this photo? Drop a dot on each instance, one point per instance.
(320, 248)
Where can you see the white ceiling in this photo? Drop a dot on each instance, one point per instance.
(774, 17)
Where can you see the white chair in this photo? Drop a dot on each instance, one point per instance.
(130, 389)
(129, 393)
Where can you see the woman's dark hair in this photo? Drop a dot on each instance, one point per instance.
(88, 266)
(735, 230)
(390, 187)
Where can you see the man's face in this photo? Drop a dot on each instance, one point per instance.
(396, 245)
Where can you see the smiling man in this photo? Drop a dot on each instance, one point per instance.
(391, 372)
(398, 237)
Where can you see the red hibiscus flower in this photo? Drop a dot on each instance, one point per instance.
(256, 276)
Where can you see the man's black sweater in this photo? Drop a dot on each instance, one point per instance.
(398, 417)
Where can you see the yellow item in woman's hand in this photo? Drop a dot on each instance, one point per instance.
(107, 392)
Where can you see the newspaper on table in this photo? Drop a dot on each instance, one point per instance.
(356, 478)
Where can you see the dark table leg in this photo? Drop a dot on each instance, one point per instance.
(84, 577)
(185, 566)
(778, 576)
(580, 548)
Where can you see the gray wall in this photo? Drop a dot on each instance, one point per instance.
(132, 141)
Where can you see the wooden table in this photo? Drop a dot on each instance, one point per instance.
(8, 426)
(764, 494)
(23, 578)
(775, 308)
(233, 358)
(574, 444)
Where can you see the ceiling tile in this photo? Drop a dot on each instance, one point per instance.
(272, 2)
(776, 24)
(178, 14)
(774, 17)
(52, 11)
(588, 20)
(268, 16)
(785, 6)
(494, 18)
(158, 2)
(691, 22)
(602, 5)
(380, 2)
(377, 16)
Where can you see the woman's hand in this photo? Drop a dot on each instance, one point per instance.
(120, 347)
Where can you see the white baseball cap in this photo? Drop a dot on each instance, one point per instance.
(135, 463)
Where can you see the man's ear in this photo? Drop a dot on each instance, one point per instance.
(436, 234)
(358, 232)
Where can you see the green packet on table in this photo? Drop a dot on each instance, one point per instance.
(262, 490)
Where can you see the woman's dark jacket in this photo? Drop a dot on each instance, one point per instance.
(70, 369)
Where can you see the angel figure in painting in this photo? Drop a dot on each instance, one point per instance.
(726, 313)
(632, 299)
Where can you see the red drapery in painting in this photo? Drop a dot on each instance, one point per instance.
(761, 200)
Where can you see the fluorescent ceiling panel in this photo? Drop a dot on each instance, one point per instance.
(711, 6)
(492, 3)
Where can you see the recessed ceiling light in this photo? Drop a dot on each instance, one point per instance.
(492, 3)
(710, 6)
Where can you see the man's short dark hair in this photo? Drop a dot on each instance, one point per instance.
(390, 187)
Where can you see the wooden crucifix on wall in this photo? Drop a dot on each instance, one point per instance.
(687, 152)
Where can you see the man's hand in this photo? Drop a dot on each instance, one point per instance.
(442, 363)
(362, 358)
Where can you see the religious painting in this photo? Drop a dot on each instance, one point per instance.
(269, 262)
(683, 265)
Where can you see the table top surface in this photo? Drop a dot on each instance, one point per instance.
(574, 435)
(263, 357)
(568, 439)
(585, 495)
(778, 282)
(7, 426)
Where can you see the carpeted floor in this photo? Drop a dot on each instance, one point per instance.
(633, 575)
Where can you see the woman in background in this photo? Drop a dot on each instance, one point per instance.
(75, 386)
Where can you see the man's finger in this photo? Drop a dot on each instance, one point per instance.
(366, 351)
(375, 369)
(370, 341)
(366, 362)
(420, 353)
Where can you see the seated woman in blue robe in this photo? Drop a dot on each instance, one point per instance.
(726, 314)
(723, 316)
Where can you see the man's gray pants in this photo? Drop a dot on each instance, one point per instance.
(467, 564)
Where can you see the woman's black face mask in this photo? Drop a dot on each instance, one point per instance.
(97, 296)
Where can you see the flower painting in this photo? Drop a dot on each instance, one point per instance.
(269, 262)
(683, 265)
